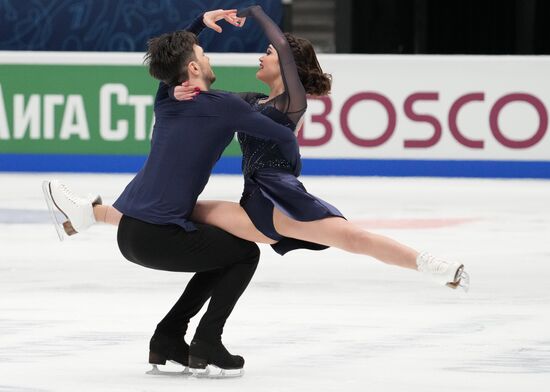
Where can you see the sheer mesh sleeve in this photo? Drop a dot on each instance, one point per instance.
(294, 102)
(250, 97)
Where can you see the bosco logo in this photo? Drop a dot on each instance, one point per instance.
(322, 119)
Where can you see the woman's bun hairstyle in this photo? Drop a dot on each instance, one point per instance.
(314, 80)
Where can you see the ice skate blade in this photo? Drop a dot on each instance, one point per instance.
(52, 208)
(462, 280)
(156, 372)
(212, 371)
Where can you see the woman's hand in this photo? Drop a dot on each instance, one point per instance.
(211, 17)
(186, 92)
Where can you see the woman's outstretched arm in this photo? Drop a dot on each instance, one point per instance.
(293, 86)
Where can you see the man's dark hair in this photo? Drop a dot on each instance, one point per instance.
(169, 54)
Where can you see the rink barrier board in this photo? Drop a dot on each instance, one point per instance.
(315, 167)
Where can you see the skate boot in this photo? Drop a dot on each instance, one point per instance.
(213, 360)
(450, 274)
(164, 348)
(77, 211)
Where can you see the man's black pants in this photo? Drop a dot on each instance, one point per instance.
(224, 265)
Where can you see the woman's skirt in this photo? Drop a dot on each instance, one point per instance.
(266, 189)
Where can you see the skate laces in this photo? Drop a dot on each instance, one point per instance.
(429, 263)
(73, 198)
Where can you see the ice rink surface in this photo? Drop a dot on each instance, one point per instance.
(76, 316)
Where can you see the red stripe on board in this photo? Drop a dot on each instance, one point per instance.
(411, 223)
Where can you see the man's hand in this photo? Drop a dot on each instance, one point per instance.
(185, 92)
(211, 17)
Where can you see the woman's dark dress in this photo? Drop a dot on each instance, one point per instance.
(270, 170)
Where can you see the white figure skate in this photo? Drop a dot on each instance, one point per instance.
(77, 211)
(450, 274)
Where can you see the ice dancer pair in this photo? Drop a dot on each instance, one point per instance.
(271, 164)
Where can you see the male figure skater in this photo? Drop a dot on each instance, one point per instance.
(155, 230)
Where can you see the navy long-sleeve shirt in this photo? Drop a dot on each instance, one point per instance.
(188, 138)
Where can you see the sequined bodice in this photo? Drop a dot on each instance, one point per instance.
(260, 153)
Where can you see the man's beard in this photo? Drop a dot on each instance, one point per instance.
(212, 78)
(209, 79)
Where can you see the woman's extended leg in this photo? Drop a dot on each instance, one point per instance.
(228, 216)
(336, 232)
(340, 233)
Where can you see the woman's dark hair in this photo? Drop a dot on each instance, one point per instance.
(169, 54)
(315, 81)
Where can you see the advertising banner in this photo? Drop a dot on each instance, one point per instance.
(386, 115)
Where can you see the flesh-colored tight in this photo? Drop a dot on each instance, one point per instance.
(107, 214)
(333, 231)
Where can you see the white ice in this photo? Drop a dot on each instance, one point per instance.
(76, 316)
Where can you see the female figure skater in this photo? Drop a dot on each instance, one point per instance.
(275, 207)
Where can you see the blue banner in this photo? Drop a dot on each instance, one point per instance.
(121, 25)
